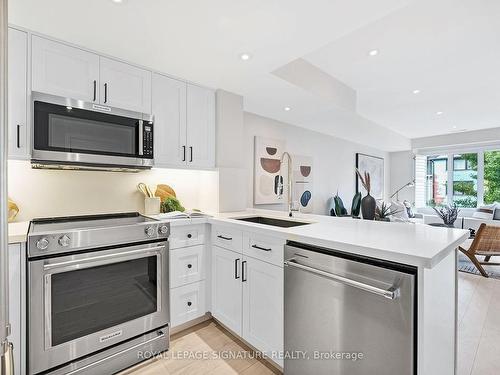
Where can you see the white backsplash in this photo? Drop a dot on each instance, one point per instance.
(47, 193)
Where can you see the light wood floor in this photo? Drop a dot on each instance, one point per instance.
(478, 339)
(207, 338)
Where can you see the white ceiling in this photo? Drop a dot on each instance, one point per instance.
(447, 48)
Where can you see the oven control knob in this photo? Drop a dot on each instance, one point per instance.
(42, 243)
(163, 229)
(64, 241)
(149, 231)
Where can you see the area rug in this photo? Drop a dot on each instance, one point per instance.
(465, 265)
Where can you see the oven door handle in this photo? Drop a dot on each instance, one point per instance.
(103, 259)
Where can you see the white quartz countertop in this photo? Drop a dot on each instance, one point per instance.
(409, 243)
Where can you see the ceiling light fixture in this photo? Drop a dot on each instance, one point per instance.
(373, 52)
(245, 56)
(439, 113)
(454, 126)
(117, 1)
(416, 91)
(287, 109)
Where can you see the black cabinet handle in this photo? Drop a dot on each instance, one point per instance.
(189, 235)
(225, 238)
(190, 265)
(191, 150)
(184, 153)
(236, 274)
(189, 303)
(105, 93)
(18, 135)
(95, 90)
(261, 248)
(243, 271)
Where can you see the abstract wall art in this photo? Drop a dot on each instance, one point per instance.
(266, 168)
(375, 166)
(303, 182)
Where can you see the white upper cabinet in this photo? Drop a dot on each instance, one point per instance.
(200, 127)
(62, 70)
(169, 110)
(124, 86)
(18, 71)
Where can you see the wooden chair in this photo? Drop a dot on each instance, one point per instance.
(487, 244)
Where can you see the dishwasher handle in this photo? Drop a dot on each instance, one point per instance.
(391, 293)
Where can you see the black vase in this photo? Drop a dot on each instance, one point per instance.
(368, 205)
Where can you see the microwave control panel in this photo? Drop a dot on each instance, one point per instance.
(147, 144)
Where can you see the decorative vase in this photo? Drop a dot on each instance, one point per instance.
(368, 205)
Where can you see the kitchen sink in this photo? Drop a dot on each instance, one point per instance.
(273, 222)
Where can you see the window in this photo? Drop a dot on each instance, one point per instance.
(491, 176)
(465, 180)
(468, 179)
(437, 180)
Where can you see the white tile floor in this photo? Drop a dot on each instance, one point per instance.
(478, 325)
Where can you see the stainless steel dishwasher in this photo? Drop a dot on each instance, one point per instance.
(348, 315)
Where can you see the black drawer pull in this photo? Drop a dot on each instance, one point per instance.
(189, 303)
(243, 271)
(190, 265)
(225, 238)
(190, 235)
(18, 136)
(261, 248)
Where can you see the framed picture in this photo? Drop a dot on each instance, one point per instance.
(266, 169)
(375, 166)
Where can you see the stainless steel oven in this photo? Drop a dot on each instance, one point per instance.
(84, 302)
(70, 133)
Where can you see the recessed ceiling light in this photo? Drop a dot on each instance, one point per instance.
(439, 113)
(287, 109)
(416, 91)
(454, 126)
(245, 56)
(117, 1)
(373, 52)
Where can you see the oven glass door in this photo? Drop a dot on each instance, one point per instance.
(66, 129)
(89, 300)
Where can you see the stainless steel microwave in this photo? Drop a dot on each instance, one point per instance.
(72, 134)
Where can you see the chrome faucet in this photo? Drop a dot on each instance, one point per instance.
(279, 190)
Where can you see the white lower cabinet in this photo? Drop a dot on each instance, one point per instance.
(188, 302)
(263, 306)
(226, 291)
(16, 305)
(247, 297)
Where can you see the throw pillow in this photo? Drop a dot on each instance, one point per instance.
(485, 212)
(400, 211)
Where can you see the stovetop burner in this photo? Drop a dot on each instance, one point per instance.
(48, 236)
(87, 222)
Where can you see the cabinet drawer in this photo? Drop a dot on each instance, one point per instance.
(268, 249)
(187, 303)
(187, 265)
(227, 238)
(186, 235)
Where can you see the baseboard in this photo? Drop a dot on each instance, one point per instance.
(191, 323)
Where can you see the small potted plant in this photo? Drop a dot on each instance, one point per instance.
(383, 212)
(448, 214)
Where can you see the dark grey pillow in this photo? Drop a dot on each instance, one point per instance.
(496, 214)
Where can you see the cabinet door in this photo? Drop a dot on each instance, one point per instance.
(18, 68)
(263, 306)
(125, 86)
(14, 257)
(65, 71)
(169, 110)
(226, 288)
(200, 127)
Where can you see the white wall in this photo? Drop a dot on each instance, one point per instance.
(402, 172)
(334, 159)
(46, 193)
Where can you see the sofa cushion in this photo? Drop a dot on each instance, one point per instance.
(496, 215)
